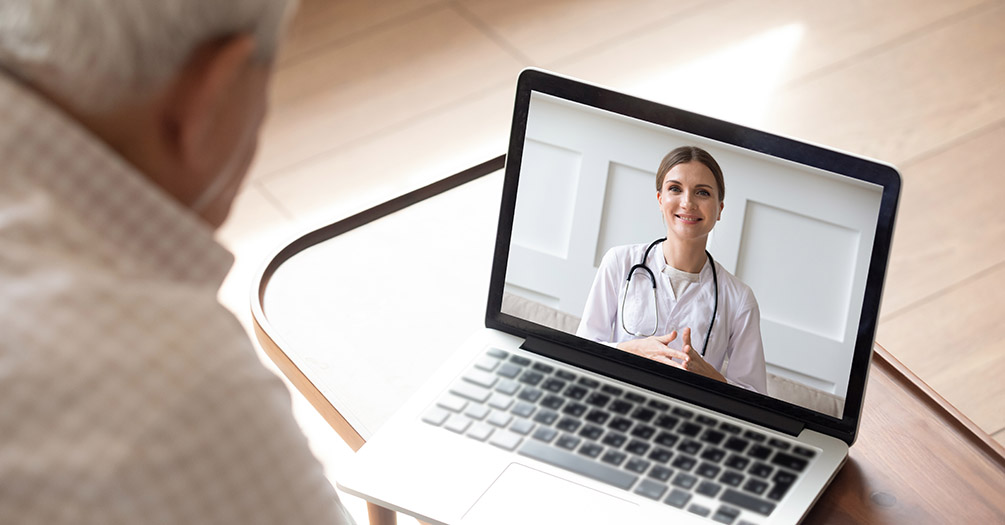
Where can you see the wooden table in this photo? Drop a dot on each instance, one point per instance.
(359, 312)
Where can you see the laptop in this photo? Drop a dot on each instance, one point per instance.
(529, 422)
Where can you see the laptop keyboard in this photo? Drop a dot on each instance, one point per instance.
(665, 452)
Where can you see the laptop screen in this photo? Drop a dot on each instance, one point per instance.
(774, 255)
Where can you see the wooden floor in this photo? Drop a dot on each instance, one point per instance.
(375, 98)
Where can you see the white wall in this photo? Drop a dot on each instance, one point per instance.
(800, 237)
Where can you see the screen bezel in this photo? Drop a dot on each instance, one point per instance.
(643, 372)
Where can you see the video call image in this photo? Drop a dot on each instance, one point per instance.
(724, 262)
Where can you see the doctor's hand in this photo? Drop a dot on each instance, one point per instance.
(688, 359)
(652, 347)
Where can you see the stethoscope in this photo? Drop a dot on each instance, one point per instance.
(652, 277)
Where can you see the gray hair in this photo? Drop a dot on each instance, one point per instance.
(96, 54)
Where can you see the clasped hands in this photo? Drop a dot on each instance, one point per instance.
(656, 348)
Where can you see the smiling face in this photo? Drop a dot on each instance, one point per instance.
(689, 201)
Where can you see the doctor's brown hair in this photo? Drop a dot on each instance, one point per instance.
(685, 154)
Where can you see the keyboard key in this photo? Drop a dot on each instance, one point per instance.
(542, 367)
(643, 414)
(713, 454)
(736, 444)
(523, 409)
(699, 510)
(452, 403)
(553, 385)
(731, 478)
(619, 406)
(779, 444)
(588, 383)
(660, 473)
(436, 416)
(754, 436)
(613, 439)
(737, 462)
(531, 378)
(598, 400)
(578, 464)
(746, 501)
(635, 398)
(591, 450)
(519, 360)
(496, 352)
(666, 439)
(487, 363)
(522, 427)
(530, 395)
(689, 429)
(726, 514)
(507, 386)
(591, 432)
(637, 447)
(684, 463)
(545, 434)
(660, 455)
(620, 424)
(476, 411)
(689, 447)
(684, 480)
(760, 470)
(597, 416)
(779, 490)
(505, 440)
(568, 442)
(568, 424)
(552, 401)
(708, 488)
(707, 470)
(666, 422)
(643, 431)
(574, 409)
(658, 405)
(677, 498)
(457, 423)
(682, 412)
(755, 485)
(508, 370)
(471, 391)
(480, 431)
(545, 417)
(614, 457)
(712, 436)
(565, 375)
(759, 452)
(575, 392)
(804, 452)
(611, 389)
(790, 462)
(729, 427)
(638, 465)
(481, 378)
(707, 421)
(500, 402)
(651, 489)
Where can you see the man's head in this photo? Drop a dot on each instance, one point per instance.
(177, 87)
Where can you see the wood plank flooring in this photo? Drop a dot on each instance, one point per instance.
(372, 99)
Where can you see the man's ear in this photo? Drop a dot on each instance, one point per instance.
(194, 101)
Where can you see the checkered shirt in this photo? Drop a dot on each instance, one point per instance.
(128, 394)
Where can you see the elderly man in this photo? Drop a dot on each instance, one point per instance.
(127, 393)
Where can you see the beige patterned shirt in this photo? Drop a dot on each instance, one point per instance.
(128, 394)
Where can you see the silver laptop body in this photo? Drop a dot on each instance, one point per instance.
(528, 423)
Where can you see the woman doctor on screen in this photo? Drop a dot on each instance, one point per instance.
(668, 300)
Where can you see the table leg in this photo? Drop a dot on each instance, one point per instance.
(380, 516)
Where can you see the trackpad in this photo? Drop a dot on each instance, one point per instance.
(524, 495)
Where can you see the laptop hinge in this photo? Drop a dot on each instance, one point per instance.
(676, 389)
